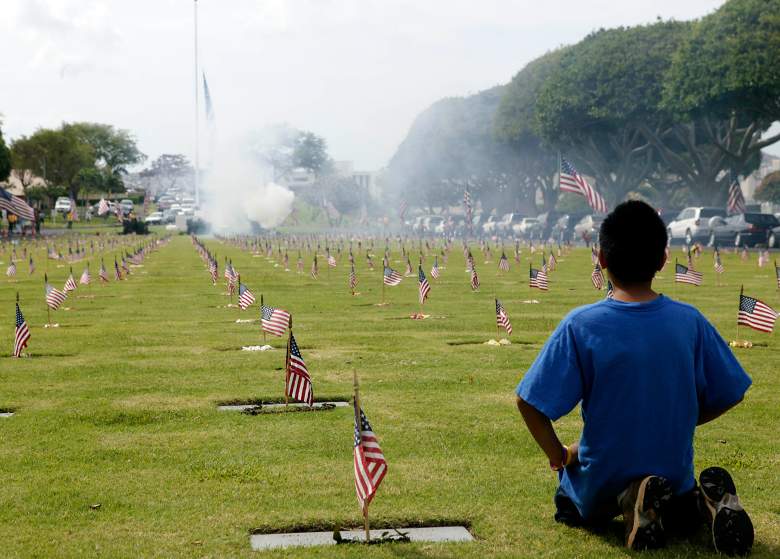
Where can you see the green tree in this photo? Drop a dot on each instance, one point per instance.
(114, 150)
(602, 98)
(168, 170)
(769, 189)
(5, 159)
(450, 148)
(311, 153)
(55, 155)
(723, 89)
(516, 124)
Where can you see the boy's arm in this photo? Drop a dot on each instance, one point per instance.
(543, 433)
(705, 416)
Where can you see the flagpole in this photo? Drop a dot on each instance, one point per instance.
(48, 308)
(287, 364)
(356, 388)
(261, 318)
(498, 330)
(741, 291)
(197, 108)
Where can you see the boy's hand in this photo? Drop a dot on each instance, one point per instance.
(568, 457)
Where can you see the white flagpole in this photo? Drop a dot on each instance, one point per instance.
(197, 112)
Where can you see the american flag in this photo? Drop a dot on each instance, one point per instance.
(31, 266)
(103, 207)
(274, 321)
(469, 210)
(299, 264)
(596, 277)
(391, 277)
(54, 297)
(85, 277)
(683, 274)
(594, 256)
(736, 201)
(352, 278)
(718, 263)
(744, 255)
(544, 264)
(245, 297)
(230, 273)
(756, 314)
(408, 266)
(435, 268)
(610, 290)
(117, 272)
(503, 262)
(102, 273)
(763, 258)
(213, 270)
(424, 287)
(298, 384)
(474, 279)
(16, 205)
(22, 333)
(572, 181)
(402, 210)
(70, 283)
(469, 261)
(551, 262)
(125, 267)
(369, 261)
(538, 279)
(11, 270)
(502, 319)
(370, 463)
(314, 269)
(777, 274)
(331, 260)
(517, 251)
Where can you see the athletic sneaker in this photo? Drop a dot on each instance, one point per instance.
(643, 502)
(732, 530)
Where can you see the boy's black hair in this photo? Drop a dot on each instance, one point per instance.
(633, 241)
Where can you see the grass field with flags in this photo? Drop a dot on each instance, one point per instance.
(117, 449)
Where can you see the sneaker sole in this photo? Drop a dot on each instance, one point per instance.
(732, 530)
(647, 531)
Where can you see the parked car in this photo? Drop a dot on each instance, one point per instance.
(748, 229)
(773, 240)
(62, 204)
(490, 225)
(154, 218)
(563, 230)
(528, 227)
(546, 223)
(504, 225)
(588, 227)
(126, 206)
(694, 224)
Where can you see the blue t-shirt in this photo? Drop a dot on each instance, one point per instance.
(642, 371)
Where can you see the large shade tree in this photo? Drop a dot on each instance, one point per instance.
(723, 88)
(599, 101)
(516, 124)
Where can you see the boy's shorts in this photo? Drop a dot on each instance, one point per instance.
(681, 516)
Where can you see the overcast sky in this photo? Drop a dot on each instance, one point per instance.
(354, 71)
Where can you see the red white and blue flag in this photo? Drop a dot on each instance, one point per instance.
(298, 384)
(22, 335)
(502, 318)
(572, 181)
(424, 286)
(274, 321)
(369, 460)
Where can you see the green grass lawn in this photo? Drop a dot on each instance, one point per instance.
(117, 408)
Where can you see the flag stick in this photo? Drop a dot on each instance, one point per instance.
(498, 330)
(261, 318)
(48, 308)
(356, 388)
(287, 365)
(741, 291)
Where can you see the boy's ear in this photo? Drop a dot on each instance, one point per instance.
(664, 258)
(602, 260)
